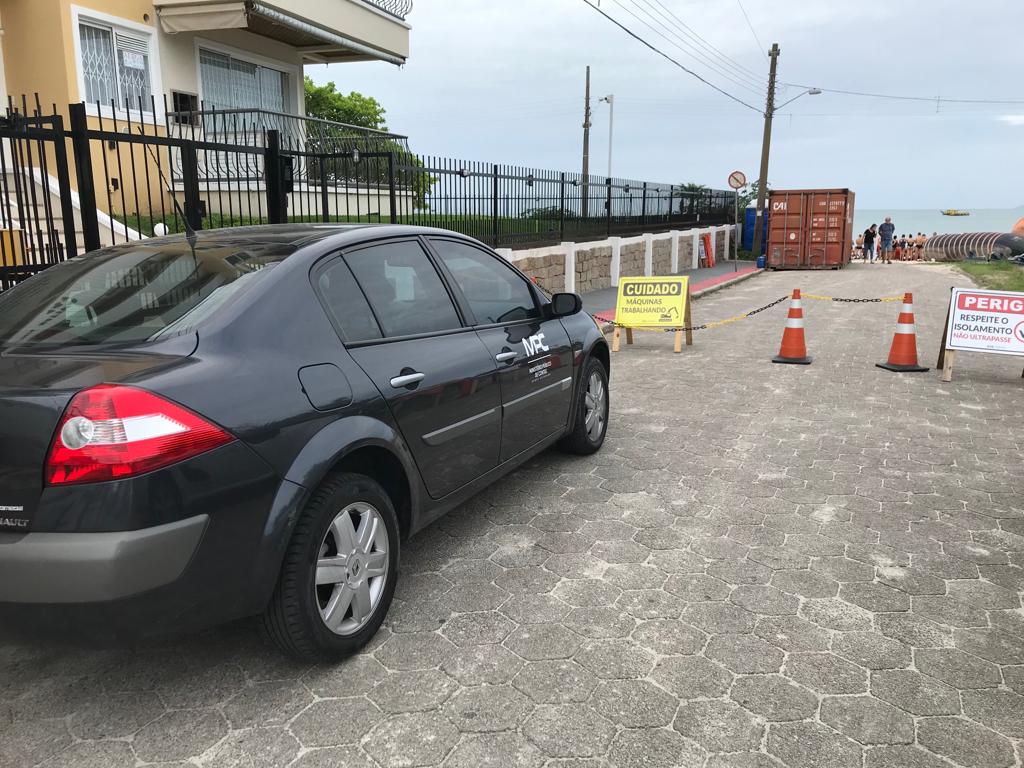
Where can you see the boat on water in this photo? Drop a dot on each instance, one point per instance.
(955, 212)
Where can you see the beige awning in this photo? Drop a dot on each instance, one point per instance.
(197, 18)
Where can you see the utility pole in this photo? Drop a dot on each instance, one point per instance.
(610, 98)
(762, 184)
(585, 207)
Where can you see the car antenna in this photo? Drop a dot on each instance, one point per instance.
(190, 233)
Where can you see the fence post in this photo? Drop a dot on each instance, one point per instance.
(561, 208)
(67, 210)
(570, 267)
(86, 182)
(643, 207)
(325, 202)
(648, 254)
(494, 208)
(190, 180)
(276, 211)
(608, 209)
(616, 265)
(392, 192)
(671, 202)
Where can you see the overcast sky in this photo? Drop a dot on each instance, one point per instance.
(502, 81)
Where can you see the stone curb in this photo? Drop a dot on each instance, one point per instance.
(608, 327)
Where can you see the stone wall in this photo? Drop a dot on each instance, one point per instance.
(547, 271)
(593, 268)
(662, 261)
(685, 252)
(546, 266)
(631, 260)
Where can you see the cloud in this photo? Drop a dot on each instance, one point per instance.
(1012, 119)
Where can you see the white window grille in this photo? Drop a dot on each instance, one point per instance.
(115, 66)
(230, 83)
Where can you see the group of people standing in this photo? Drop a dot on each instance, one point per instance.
(881, 241)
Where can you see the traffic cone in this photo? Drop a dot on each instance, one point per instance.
(794, 348)
(903, 352)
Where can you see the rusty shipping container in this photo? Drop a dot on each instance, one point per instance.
(810, 228)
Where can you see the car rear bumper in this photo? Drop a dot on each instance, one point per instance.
(95, 567)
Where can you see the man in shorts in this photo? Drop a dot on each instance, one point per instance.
(886, 233)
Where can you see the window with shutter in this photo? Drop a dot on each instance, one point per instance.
(232, 83)
(115, 66)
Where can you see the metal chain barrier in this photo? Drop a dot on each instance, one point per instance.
(745, 315)
(850, 301)
(705, 326)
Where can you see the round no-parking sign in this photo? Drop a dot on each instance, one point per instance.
(737, 179)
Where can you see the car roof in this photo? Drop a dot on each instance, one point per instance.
(297, 236)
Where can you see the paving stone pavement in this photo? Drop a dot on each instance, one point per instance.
(765, 566)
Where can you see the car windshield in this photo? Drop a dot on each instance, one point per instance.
(130, 295)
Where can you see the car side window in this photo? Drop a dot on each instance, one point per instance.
(346, 304)
(403, 288)
(495, 292)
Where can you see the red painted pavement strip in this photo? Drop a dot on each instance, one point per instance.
(608, 315)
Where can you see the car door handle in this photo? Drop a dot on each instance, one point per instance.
(407, 379)
(504, 357)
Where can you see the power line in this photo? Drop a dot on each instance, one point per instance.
(934, 99)
(757, 40)
(661, 53)
(689, 53)
(670, 41)
(692, 34)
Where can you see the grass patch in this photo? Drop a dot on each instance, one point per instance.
(997, 275)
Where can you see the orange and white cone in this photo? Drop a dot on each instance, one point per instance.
(903, 352)
(794, 348)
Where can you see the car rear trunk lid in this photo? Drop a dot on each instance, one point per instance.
(35, 388)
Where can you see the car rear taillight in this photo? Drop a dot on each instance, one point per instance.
(111, 431)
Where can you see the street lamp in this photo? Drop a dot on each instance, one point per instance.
(610, 98)
(808, 92)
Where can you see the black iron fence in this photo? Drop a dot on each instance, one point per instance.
(105, 175)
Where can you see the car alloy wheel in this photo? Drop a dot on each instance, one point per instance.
(352, 568)
(595, 413)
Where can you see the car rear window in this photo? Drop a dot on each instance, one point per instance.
(128, 295)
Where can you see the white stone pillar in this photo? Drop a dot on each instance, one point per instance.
(696, 248)
(616, 266)
(714, 242)
(648, 254)
(726, 231)
(505, 253)
(674, 234)
(570, 267)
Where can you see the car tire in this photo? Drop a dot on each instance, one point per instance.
(297, 619)
(584, 439)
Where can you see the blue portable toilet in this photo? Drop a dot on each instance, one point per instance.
(748, 231)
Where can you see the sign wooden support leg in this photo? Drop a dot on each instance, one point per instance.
(949, 356)
(616, 337)
(688, 318)
(629, 335)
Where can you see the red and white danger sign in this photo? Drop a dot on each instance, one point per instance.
(986, 321)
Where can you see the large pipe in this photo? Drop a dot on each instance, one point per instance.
(973, 245)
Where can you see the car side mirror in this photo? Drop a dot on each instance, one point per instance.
(565, 304)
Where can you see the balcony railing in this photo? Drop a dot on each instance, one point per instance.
(397, 8)
(244, 128)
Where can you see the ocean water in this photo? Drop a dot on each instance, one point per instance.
(932, 221)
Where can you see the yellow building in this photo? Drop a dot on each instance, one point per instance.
(167, 64)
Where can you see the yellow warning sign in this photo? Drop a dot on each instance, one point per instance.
(652, 302)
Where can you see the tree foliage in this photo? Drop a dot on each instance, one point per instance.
(748, 194)
(336, 144)
(326, 103)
